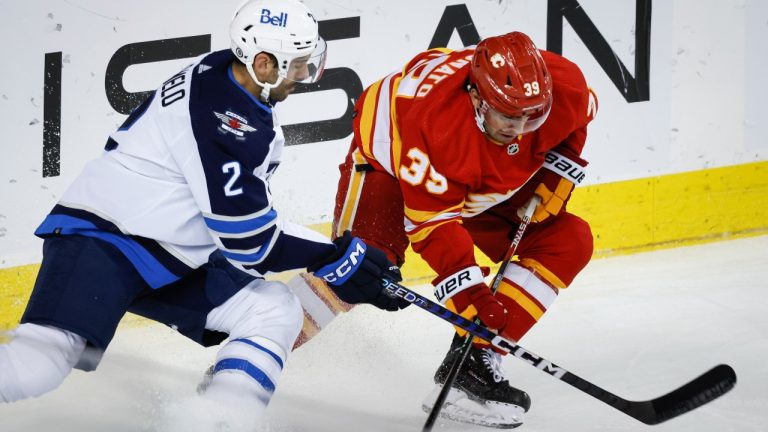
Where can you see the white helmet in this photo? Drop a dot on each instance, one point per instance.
(287, 30)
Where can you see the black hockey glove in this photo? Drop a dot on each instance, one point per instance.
(354, 273)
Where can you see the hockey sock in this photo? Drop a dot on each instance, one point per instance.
(527, 296)
(246, 367)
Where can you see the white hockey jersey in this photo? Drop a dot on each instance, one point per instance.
(188, 173)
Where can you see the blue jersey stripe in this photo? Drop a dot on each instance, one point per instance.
(168, 260)
(252, 258)
(242, 226)
(154, 273)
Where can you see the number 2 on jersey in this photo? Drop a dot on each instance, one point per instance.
(417, 172)
(233, 167)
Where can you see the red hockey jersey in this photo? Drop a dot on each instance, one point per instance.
(419, 126)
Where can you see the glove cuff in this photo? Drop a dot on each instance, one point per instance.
(565, 167)
(458, 282)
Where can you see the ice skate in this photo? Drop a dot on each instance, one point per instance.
(480, 394)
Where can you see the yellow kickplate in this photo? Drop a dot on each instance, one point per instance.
(626, 217)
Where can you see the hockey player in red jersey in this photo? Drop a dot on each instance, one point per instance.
(445, 154)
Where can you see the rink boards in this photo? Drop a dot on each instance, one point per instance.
(626, 217)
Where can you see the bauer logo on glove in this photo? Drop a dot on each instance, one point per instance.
(455, 284)
(465, 293)
(554, 183)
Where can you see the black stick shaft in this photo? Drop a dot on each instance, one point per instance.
(702, 390)
(467, 345)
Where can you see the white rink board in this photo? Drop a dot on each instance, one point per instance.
(705, 109)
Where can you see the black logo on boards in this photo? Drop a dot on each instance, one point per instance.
(455, 19)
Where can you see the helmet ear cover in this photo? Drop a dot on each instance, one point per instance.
(510, 75)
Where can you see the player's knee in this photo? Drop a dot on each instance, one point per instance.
(291, 315)
(585, 244)
(37, 360)
(580, 240)
(271, 311)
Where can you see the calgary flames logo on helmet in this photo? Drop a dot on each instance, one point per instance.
(497, 60)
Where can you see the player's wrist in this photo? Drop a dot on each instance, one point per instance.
(453, 284)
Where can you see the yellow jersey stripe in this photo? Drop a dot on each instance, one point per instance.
(397, 143)
(352, 198)
(424, 233)
(367, 118)
(420, 216)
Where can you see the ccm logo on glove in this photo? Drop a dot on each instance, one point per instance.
(344, 269)
(357, 273)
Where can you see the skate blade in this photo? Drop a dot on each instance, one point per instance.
(460, 408)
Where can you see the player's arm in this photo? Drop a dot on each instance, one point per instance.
(563, 167)
(229, 181)
(553, 183)
(238, 211)
(433, 225)
(459, 284)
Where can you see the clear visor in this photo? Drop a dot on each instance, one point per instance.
(519, 125)
(308, 69)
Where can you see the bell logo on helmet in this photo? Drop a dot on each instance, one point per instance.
(497, 60)
(277, 20)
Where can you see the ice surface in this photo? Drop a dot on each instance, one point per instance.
(637, 325)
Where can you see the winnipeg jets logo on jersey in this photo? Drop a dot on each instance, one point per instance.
(233, 123)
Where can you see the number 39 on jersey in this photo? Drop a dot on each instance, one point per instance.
(421, 169)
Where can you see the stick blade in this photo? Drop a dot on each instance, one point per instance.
(702, 390)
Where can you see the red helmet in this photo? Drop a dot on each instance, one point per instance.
(511, 77)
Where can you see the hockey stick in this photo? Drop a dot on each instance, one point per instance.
(702, 390)
(467, 345)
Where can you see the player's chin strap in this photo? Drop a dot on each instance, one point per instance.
(480, 115)
(265, 86)
(479, 111)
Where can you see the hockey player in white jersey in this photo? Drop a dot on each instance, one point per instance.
(175, 222)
